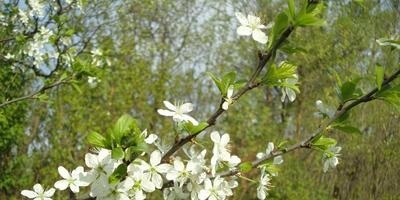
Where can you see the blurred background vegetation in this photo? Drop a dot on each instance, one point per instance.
(155, 50)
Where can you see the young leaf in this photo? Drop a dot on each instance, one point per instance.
(391, 95)
(117, 153)
(309, 20)
(245, 167)
(123, 127)
(190, 128)
(118, 174)
(96, 139)
(291, 10)
(323, 143)
(217, 82)
(347, 128)
(379, 74)
(280, 24)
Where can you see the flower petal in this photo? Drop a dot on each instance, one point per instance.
(215, 137)
(165, 112)
(157, 180)
(186, 107)
(147, 186)
(91, 160)
(225, 105)
(29, 193)
(244, 31)
(260, 36)
(38, 188)
(61, 184)
(151, 139)
(163, 168)
(49, 193)
(169, 105)
(155, 158)
(204, 194)
(74, 188)
(64, 172)
(190, 119)
(253, 19)
(224, 139)
(242, 18)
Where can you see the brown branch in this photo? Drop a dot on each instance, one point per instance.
(32, 95)
(308, 142)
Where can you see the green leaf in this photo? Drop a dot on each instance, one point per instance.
(291, 10)
(190, 128)
(348, 90)
(117, 153)
(280, 24)
(309, 20)
(323, 143)
(275, 75)
(123, 127)
(395, 44)
(97, 140)
(118, 174)
(217, 82)
(282, 145)
(391, 95)
(379, 74)
(245, 167)
(347, 128)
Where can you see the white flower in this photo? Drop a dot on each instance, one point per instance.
(101, 164)
(179, 173)
(23, 17)
(175, 193)
(323, 110)
(71, 180)
(331, 160)
(220, 150)
(268, 151)
(228, 100)
(263, 187)
(155, 168)
(93, 81)
(38, 193)
(151, 139)
(178, 112)
(278, 160)
(116, 191)
(287, 91)
(141, 181)
(251, 26)
(212, 190)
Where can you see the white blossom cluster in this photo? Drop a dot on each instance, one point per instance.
(40, 35)
(194, 176)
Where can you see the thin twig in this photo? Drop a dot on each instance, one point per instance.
(32, 95)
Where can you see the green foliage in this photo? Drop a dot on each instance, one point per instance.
(379, 75)
(192, 129)
(322, 143)
(349, 91)
(118, 174)
(227, 80)
(275, 76)
(391, 95)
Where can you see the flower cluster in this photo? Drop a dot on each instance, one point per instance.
(191, 177)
